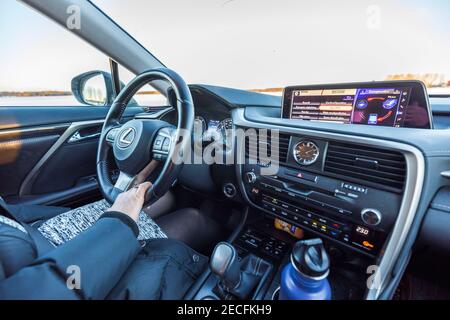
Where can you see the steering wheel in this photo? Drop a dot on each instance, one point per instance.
(140, 144)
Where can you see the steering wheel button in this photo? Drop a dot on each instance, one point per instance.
(112, 135)
(166, 144)
(158, 143)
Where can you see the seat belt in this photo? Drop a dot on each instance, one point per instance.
(41, 244)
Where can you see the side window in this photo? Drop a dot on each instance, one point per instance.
(40, 62)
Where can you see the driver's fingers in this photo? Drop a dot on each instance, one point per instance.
(142, 189)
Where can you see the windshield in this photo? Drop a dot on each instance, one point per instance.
(266, 45)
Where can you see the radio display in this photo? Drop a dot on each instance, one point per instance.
(387, 104)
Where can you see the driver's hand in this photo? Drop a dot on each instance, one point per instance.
(131, 201)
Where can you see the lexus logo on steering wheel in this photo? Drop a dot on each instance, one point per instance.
(126, 138)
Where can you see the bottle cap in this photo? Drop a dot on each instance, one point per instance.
(310, 258)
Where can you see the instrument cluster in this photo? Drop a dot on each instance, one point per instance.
(211, 128)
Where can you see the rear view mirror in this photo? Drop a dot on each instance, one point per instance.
(93, 88)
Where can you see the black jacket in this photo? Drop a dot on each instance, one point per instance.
(111, 261)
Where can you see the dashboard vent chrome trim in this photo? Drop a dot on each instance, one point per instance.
(378, 167)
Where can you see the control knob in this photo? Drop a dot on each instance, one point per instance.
(371, 216)
(229, 190)
(250, 177)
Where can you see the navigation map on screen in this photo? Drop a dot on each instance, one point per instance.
(371, 106)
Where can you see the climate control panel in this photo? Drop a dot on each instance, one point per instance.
(351, 214)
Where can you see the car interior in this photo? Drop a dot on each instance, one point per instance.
(363, 166)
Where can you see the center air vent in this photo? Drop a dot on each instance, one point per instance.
(258, 146)
(372, 166)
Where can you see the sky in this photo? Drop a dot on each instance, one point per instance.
(239, 43)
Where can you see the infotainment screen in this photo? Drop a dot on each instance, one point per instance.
(393, 104)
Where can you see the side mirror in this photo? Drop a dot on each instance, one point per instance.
(93, 88)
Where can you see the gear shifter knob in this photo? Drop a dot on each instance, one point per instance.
(224, 263)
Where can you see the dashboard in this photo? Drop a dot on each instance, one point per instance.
(349, 170)
(368, 179)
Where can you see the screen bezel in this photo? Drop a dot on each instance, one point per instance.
(418, 89)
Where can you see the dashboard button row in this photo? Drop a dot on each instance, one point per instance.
(352, 187)
(302, 216)
(301, 175)
(314, 202)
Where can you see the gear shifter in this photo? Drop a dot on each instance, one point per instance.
(224, 263)
(236, 279)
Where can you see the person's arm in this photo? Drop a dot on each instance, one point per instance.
(101, 254)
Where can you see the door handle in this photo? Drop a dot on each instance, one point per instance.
(77, 137)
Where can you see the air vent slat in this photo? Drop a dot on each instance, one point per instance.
(252, 149)
(390, 169)
(369, 152)
(387, 168)
(365, 171)
(337, 154)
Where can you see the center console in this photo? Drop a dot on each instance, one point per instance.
(349, 194)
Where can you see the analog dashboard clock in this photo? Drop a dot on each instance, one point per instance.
(306, 152)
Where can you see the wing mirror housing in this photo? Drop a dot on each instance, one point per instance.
(93, 88)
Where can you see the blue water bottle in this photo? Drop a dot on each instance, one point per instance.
(305, 277)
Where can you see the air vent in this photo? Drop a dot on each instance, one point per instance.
(371, 166)
(255, 144)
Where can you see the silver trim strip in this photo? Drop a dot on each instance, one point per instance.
(415, 168)
(26, 186)
(154, 115)
(123, 181)
(77, 137)
(445, 174)
(37, 129)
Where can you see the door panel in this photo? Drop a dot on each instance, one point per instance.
(48, 154)
(18, 157)
(68, 164)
